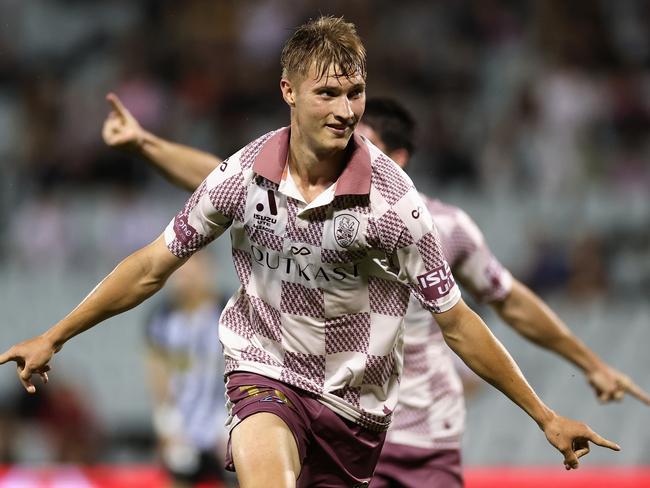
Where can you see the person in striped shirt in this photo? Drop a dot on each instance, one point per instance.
(185, 372)
(330, 239)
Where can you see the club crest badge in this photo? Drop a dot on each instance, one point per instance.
(345, 229)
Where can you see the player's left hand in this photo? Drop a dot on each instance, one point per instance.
(32, 357)
(572, 438)
(610, 384)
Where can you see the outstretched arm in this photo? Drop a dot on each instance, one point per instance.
(181, 165)
(135, 279)
(470, 338)
(525, 312)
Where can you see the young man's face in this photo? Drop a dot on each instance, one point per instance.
(326, 110)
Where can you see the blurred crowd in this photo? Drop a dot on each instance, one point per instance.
(548, 99)
(526, 100)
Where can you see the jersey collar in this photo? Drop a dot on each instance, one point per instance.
(354, 180)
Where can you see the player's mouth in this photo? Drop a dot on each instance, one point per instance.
(339, 130)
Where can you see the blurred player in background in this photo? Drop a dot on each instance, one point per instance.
(313, 348)
(423, 443)
(185, 363)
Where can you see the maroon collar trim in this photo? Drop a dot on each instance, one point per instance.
(354, 180)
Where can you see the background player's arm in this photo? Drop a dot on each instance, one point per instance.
(158, 374)
(469, 337)
(167, 420)
(182, 165)
(525, 312)
(481, 273)
(135, 279)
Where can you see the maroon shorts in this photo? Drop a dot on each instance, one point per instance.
(414, 467)
(334, 452)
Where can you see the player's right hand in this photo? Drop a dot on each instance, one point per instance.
(609, 384)
(121, 129)
(32, 357)
(572, 439)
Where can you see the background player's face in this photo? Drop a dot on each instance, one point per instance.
(326, 110)
(192, 281)
(400, 156)
(370, 134)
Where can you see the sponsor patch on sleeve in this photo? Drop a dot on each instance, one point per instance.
(437, 283)
(183, 230)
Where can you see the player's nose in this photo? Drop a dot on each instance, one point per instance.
(343, 111)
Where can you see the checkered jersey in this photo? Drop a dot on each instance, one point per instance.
(325, 285)
(431, 411)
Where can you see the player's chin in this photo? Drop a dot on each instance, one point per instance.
(337, 141)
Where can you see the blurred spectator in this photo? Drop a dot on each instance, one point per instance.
(587, 269)
(186, 376)
(56, 425)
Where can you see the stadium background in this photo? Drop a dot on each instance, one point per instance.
(534, 116)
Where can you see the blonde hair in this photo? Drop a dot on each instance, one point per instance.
(324, 42)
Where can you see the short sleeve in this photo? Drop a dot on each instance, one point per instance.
(411, 239)
(209, 211)
(478, 269)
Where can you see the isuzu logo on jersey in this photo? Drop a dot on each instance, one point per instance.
(266, 222)
(437, 283)
(346, 227)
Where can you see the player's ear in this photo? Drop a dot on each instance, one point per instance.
(288, 92)
(400, 156)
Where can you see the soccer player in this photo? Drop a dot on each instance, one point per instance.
(423, 442)
(422, 446)
(330, 239)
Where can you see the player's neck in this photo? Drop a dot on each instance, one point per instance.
(313, 172)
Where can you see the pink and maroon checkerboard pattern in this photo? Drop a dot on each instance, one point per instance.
(324, 288)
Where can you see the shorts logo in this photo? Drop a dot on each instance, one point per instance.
(437, 283)
(183, 230)
(345, 229)
(273, 399)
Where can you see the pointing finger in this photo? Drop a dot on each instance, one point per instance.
(117, 105)
(633, 389)
(7, 356)
(601, 441)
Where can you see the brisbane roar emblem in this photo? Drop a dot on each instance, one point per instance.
(346, 227)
